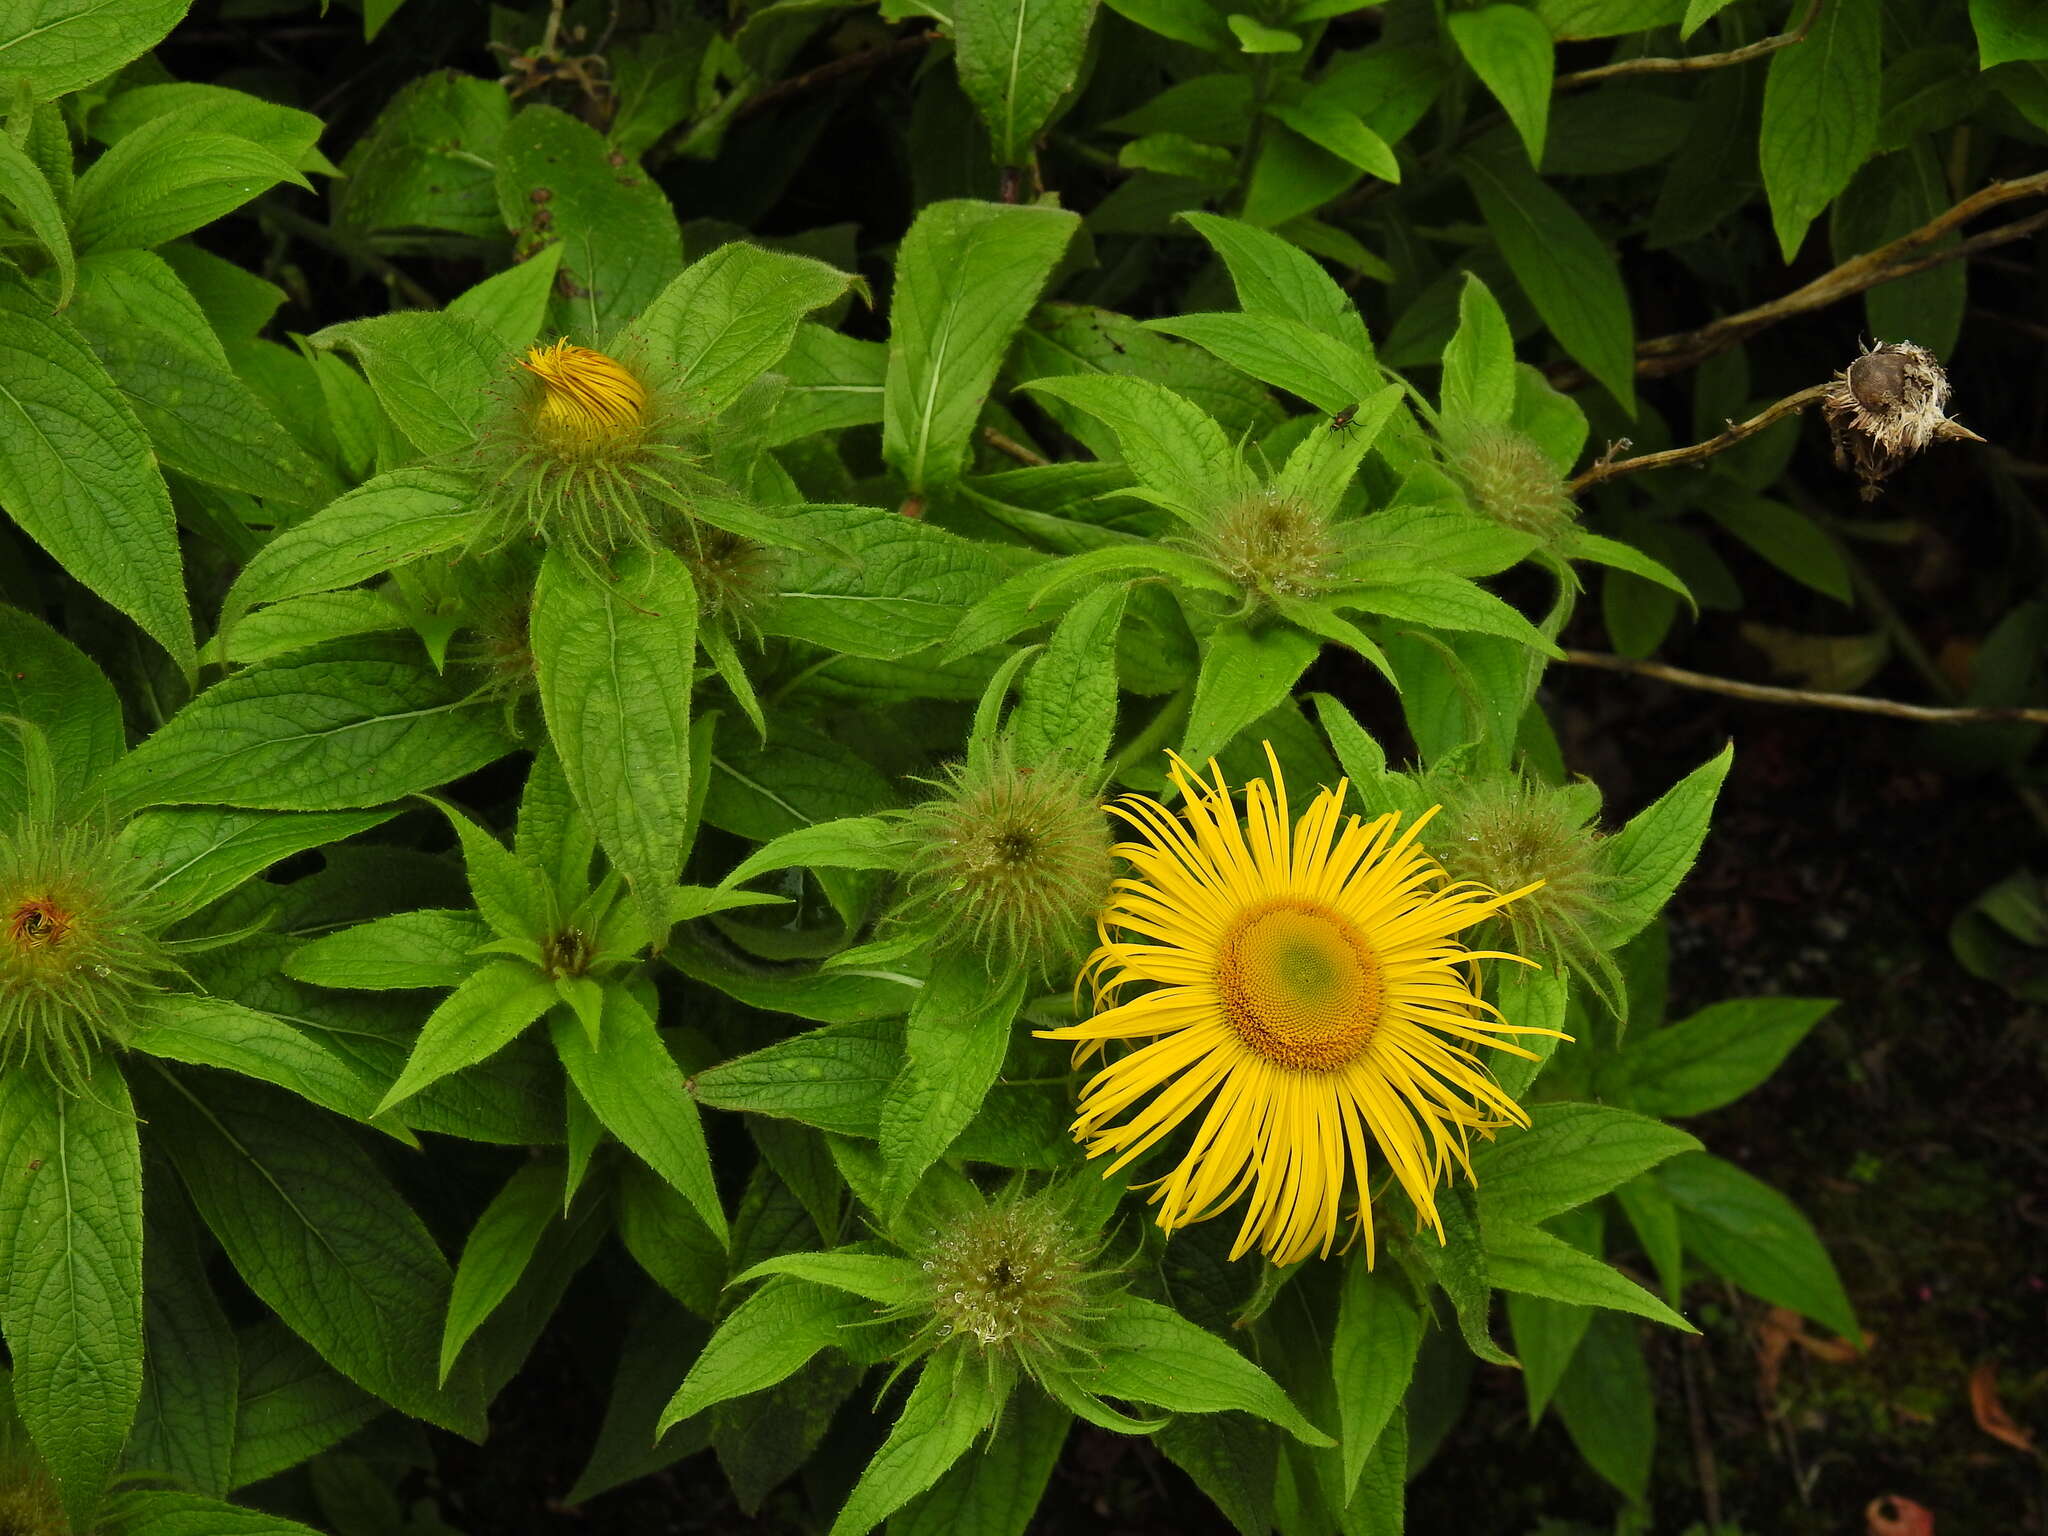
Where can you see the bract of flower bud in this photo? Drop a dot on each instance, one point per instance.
(736, 577)
(1272, 544)
(1515, 832)
(1510, 479)
(1009, 859)
(1884, 408)
(79, 955)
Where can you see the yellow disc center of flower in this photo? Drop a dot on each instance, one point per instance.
(1300, 986)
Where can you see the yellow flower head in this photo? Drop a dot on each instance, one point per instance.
(1307, 987)
(588, 401)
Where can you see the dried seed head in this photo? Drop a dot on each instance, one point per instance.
(1009, 859)
(29, 1502)
(79, 955)
(1511, 480)
(1272, 544)
(1884, 408)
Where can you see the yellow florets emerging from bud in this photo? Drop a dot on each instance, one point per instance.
(1272, 544)
(589, 454)
(588, 403)
(1011, 860)
(79, 956)
(1511, 480)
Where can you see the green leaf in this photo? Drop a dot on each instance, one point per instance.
(410, 949)
(1283, 352)
(165, 179)
(955, 1399)
(1017, 59)
(732, 315)
(966, 275)
(557, 180)
(615, 659)
(425, 164)
(54, 686)
(71, 1270)
(1273, 277)
(191, 1365)
(1479, 363)
(1194, 22)
(513, 304)
(885, 1278)
(1344, 134)
(852, 842)
(953, 1046)
(1458, 1265)
(1151, 1354)
(1379, 1331)
(1650, 855)
(1607, 1405)
(635, 1088)
(1581, 545)
(1820, 116)
(659, 1340)
(78, 475)
(1245, 673)
(1169, 443)
(1563, 266)
(1570, 1154)
(1418, 595)
(1254, 36)
(2006, 30)
(59, 45)
(497, 1252)
(1786, 537)
(510, 894)
(1232, 1458)
(1521, 1257)
(1606, 18)
(206, 423)
(763, 1341)
(475, 1021)
(215, 1032)
(878, 583)
(26, 190)
(396, 518)
(1658, 1229)
(319, 1235)
(432, 372)
(1698, 13)
(998, 1491)
(285, 131)
(832, 1078)
(1511, 51)
(1177, 155)
(197, 856)
(1744, 1230)
(292, 1406)
(1068, 707)
(1546, 1336)
(352, 724)
(165, 1512)
(1717, 1055)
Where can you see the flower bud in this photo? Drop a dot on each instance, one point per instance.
(1010, 860)
(1513, 833)
(1272, 544)
(1511, 480)
(78, 949)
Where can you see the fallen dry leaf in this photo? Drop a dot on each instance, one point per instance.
(1991, 1415)
(1894, 1516)
(1782, 1328)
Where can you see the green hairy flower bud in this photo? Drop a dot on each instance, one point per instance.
(1273, 545)
(79, 955)
(1512, 481)
(1010, 860)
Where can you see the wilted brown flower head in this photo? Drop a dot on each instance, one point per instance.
(1885, 407)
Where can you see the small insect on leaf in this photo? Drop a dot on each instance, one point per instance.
(1342, 419)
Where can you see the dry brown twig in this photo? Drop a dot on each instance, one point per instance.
(1740, 55)
(1664, 355)
(1808, 698)
(1610, 467)
(1009, 445)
